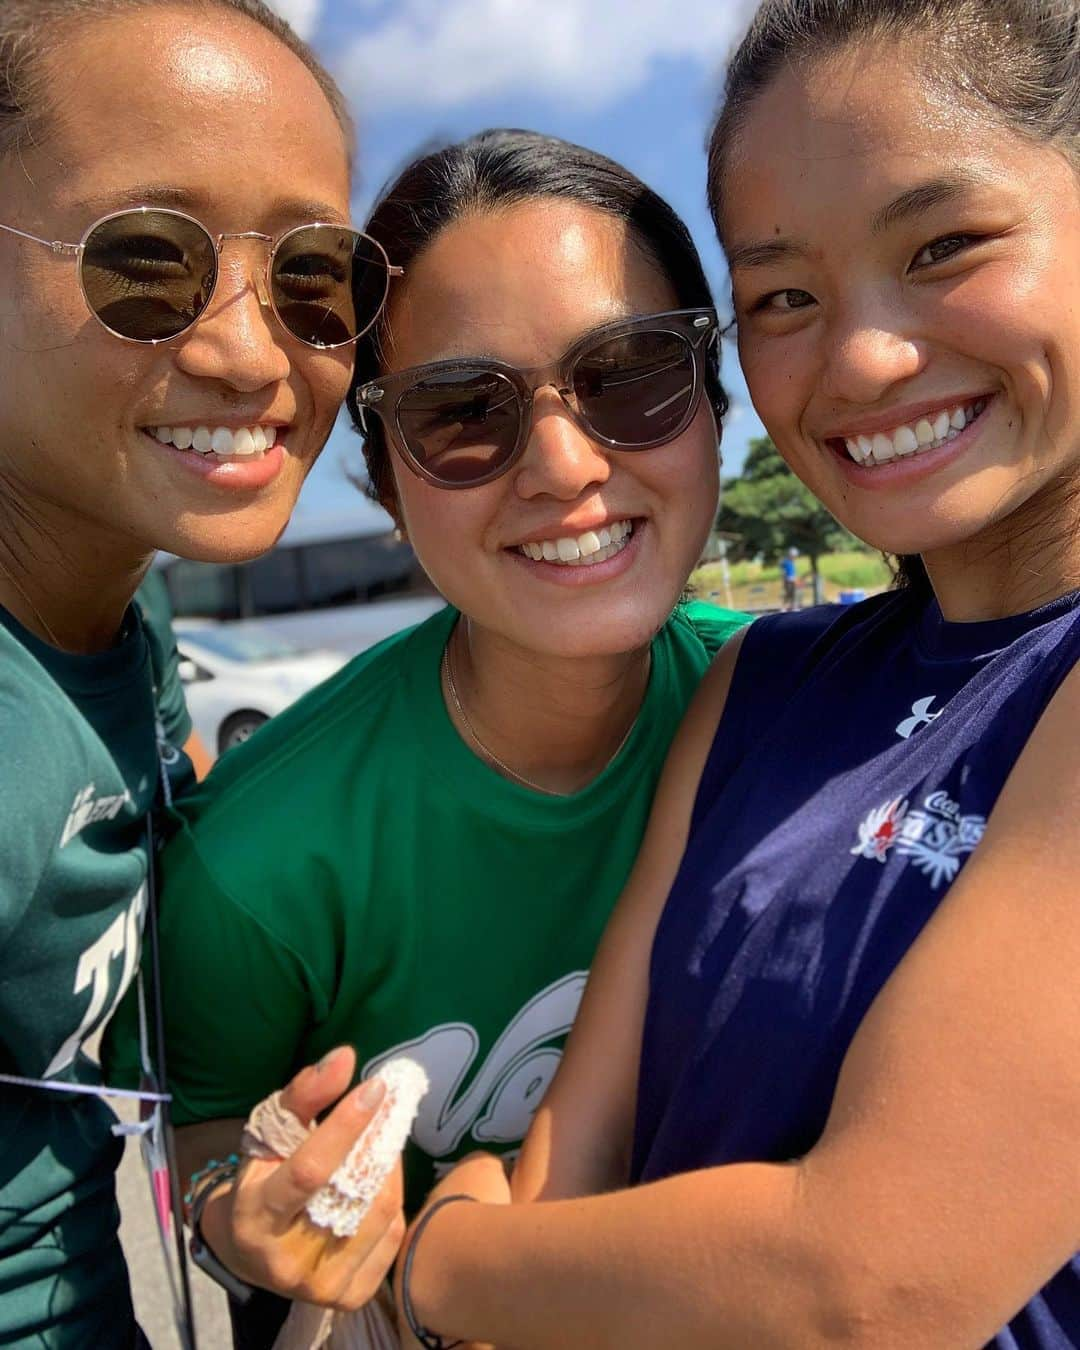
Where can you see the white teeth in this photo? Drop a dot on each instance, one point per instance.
(568, 550)
(926, 434)
(591, 547)
(905, 441)
(242, 443)
(882, 448)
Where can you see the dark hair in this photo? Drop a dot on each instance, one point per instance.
(30, 30)
(501, 168)
(1018, 58)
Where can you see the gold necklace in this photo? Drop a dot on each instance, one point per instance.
(488, 754)
(33, 608)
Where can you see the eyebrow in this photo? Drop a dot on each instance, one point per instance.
(302, 210)
(762, 255)
(912, 202)
(924, 197)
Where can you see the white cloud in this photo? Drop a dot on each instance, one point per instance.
(587, 53)
(301, 15)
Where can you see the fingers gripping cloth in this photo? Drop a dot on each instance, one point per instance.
(273, 1131)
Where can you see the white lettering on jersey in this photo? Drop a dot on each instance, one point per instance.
(86, 809)
(921, 716)
(499, 1104)
(123, 937)
(938, 837)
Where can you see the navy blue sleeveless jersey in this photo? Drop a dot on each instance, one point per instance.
(859, 755)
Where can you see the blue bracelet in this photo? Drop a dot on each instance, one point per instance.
(214, 1165)
(428, 1339)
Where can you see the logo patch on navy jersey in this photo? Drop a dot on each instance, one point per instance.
(921, 716)
(880, 830)
(936, 836)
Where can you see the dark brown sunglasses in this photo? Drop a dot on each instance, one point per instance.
(631, 385)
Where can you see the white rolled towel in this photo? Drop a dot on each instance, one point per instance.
(272, 1131)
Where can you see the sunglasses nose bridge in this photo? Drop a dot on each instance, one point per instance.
(260, 273)
(244, 234)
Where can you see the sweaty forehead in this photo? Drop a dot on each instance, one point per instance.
(854, 99)
(870, 110)
(521, 284)
(183, 94)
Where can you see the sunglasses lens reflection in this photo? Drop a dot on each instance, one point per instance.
(636, 390)
(148, 275)
(460, 426)
(328, 284)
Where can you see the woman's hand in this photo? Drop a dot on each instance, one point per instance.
(258, 1227)
(480, 1175)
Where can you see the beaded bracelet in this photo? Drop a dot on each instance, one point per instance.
(227, 1167)
(428, 1339)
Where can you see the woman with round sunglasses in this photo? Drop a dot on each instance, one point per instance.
(181, 295)
(825, 1083)
(420, 856)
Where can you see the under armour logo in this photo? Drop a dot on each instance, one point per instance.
(921, 716)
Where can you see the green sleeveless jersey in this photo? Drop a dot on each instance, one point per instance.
(355, 873)
(78, 770)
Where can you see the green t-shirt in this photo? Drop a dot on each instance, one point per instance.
(356, 874)
(79, 769)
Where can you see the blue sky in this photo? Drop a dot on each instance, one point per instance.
(635, 79)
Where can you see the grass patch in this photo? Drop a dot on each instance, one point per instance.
(756, 586)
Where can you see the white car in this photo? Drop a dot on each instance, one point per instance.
(235, 680)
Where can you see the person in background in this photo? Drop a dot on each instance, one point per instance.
(180, 290)
(832, 1036)
(788, 577)
(419, 857)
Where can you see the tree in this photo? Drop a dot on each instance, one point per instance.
(771, 510)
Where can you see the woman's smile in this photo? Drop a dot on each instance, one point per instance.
(932, 428)
(585, 559)
(241, 457)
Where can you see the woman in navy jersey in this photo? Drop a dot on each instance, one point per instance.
(825, 1084)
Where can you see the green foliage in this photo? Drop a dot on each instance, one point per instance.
(771, 511)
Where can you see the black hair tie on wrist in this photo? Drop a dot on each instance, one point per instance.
(428, 1339)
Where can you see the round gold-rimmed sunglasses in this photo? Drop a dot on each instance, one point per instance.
(148, 273)
(633, 384)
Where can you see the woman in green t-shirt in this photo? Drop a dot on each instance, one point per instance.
(165, 383)
(421, 855)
